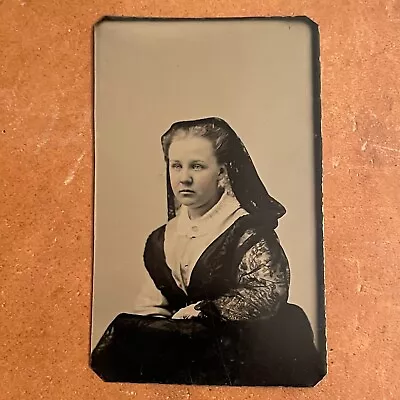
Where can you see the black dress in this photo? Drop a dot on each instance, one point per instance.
(234, 341)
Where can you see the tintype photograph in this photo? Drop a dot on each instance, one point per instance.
(208, 240)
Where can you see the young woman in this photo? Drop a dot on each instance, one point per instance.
(215, 310)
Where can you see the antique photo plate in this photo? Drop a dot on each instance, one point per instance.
(208, 246)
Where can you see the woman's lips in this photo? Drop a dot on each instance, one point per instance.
(186, 191)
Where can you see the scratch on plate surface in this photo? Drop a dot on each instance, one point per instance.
(131, 393)
(354, 128)
(364, 145)
(71, 175)
(386, 148)
(41, 144)
(48, 132)
(359, 280)
(335, 161)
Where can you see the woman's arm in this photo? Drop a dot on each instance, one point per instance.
(263, 284)
(150, 301)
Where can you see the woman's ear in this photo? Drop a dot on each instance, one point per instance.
(222, 170)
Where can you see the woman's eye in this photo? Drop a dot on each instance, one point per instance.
(197, 167)
(176, 166)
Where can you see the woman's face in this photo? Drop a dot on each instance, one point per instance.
(194, 172)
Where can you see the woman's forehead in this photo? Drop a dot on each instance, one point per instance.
(190, 147)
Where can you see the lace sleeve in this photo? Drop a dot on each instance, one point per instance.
(262, 284)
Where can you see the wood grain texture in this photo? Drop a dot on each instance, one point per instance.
(46, 176)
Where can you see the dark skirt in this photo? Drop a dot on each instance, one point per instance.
(275, 352)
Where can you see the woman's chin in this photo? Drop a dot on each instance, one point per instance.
(186, 199)
(187, 202)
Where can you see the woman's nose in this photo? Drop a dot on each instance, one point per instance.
(186, 176)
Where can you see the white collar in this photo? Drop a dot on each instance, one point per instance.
(212, 220)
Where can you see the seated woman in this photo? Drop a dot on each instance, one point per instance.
(214, 309)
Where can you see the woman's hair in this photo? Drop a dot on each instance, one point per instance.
(230, 152)
(214, 129)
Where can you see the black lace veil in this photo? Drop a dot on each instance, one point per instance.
(244, 179)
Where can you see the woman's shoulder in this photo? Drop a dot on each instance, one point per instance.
(154, 247)
(157, 235)
(252, 229)
(257, 242)
(251, 224)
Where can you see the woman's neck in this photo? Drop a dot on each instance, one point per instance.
(198, 212)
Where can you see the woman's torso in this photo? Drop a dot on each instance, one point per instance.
(215, 271)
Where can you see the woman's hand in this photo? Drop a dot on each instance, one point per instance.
(187, 312)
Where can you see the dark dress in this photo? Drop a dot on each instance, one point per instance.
(220, 347)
